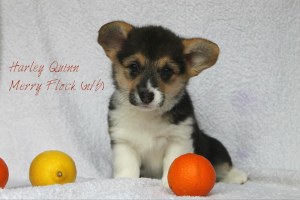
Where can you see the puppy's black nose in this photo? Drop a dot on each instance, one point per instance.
(146, 96)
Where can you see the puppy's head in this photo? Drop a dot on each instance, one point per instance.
(151, 65)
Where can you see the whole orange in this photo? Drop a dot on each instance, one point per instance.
(3, 173)
(191, 175)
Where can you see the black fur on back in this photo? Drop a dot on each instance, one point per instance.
(203, 144)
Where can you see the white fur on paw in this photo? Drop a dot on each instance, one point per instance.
(165, 182)
(235, 176)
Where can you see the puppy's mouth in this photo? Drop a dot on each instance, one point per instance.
(147, 107)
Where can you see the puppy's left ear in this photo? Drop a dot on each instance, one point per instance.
(200, 54)
(112, 35)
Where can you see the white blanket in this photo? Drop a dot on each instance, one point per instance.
(250, 100)
(278, 185)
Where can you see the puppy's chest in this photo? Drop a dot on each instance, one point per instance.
(149, 135)
(144, 131)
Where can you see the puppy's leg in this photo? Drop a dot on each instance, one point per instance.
(221, 161)
(173, 151)
(229, 174)
(126, 161)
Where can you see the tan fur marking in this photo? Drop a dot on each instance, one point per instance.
(168, 61)
(136, 57)
(122, 76)
(176, 84)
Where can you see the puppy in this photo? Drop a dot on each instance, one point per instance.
(151, 116)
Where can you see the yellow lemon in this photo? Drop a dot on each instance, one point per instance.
(52, 167)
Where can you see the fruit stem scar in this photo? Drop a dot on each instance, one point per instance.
(59, 174)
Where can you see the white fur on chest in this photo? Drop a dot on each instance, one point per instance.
(149, 135)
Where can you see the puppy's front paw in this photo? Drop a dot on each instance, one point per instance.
(127, 173)
(165, 182)
(235, 176)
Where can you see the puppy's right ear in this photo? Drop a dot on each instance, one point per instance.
(112, 35)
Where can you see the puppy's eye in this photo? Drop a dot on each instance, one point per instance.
(166, 73)
(133, 67)
(134, 70)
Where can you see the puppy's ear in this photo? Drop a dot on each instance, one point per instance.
(199, 54)
(112, 35)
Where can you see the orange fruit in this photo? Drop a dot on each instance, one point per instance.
(52, 167)
(191, 175)
(3, 173)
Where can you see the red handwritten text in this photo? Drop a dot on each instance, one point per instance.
(23, 68)
(23, 86)
(55, 67)
(55, 84)
(61, 86)
(88, 86)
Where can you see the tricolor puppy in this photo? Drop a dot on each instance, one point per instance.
(151, 116)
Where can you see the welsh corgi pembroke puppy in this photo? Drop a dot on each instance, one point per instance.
(151, 115)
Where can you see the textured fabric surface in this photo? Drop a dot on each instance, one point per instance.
(274, 185)
(250, 100)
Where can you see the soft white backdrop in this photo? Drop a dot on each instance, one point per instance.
(250, 100)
